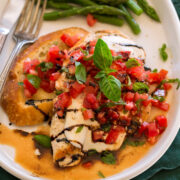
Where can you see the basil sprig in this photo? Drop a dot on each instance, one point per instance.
(140, 87)
(132, 63)
(170, 81)
(109, 85)
(163, 52)
(34, 80)
(80, 73)
(43, 140)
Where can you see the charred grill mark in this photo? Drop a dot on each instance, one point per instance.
(62, 140)
(74, 158)
(147, 68)
(23, 133)
(60, 160)
(130, 45)
(32, 102)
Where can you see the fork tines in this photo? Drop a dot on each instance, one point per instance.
(31, 18)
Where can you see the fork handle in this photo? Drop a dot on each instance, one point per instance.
(8, 65)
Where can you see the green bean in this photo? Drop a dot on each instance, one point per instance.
(83, 11)
(149, 10)
(43, 140)
(130, 20)
(83, 2)
(111, 2)
(58, 5)
(109, 19)
(134, 7)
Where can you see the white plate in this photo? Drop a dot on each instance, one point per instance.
(152, 37)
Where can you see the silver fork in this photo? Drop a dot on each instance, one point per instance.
(26, 31)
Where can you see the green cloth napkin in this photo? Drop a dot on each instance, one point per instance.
(167, 168)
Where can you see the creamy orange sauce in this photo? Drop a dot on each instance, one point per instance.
(44, 166)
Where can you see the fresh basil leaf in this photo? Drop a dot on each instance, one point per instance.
(20, 83)
(100, 174)
(103, 73)
(79, 129)
(45, 66)
(80, 73)
(132, 63)
(111, 88)
(107, 157)
(106, 127)
(163, 52)
(58, 92)
(92, 152)
(85, 52)
(159, 98)
(117, 57)
(170, 81)
(140, 87)
(43, 140)
(34, 80)
(154, 70)
(102, 55)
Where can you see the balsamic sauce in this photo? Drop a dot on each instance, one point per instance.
(32, 102)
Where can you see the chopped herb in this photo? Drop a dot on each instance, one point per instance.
(64, 69)
(159, 98)
(116, 57)
(92, 152)
(134, 142)
(58, 92)
(154, 70)
(140, 87)
(100, 174)
(132, 63)
(79, 129)
(107, 157)
(129, 81)
(83, 109)
(88, 58)
(43, 140)
(85, 52)
(56, 43)
(138, 104)
(20, 83)
(80, 73)
(170, 81)
(45, 66)
(163, 52)
(106, 127)
(34, 80)
(111, 104)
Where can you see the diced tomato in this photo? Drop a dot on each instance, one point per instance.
(125, 54)
(97, 135)
(146, 102)
(76, 89)
(113, 134)
(143, 128)
(129, 96)
(161, 121)
(88, 114)
(152, 130)
(101, 118)
(30, 65)
(93, 43)
(129, 106)
(29, 87)
(152, 140)
(90, 90)
(87, 165)
(113, 115)
(27, 93)
(161, 105)
(137, 72)
(64, 100)
(70, 40)
(46, 86)
(76, 55)
(140, 96)
(60, 113)
(54, 53)
(114, 53)
(54, 76)
(90, 101)
(167, 86)
(91, 20)
(91, 50)
(157, 77)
